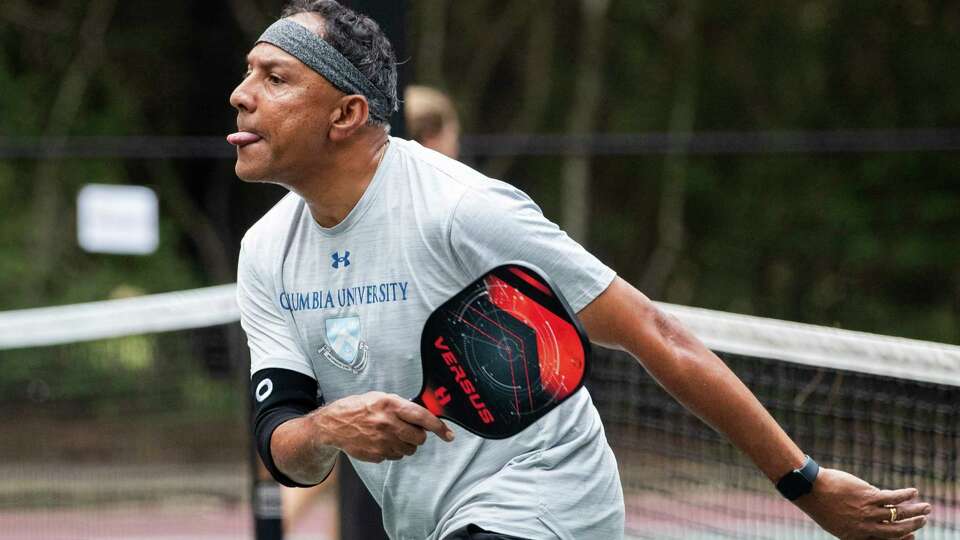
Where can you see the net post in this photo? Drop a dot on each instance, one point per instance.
(265, 497)
(267, 506)
(360, 516)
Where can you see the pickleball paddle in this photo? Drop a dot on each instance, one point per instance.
(502, 353)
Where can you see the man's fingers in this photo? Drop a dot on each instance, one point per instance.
(418, 416)
(910, 516)
(904, 511)
(411, 434)
(894, 496)
(399, 450)
(897, 529)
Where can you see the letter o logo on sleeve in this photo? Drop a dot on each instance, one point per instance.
(264, 389)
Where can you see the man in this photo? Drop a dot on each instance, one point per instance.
(336, 281)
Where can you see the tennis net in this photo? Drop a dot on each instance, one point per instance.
(127, 419)
(885, 409)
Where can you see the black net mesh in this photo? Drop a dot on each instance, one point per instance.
(145, 436)
(682, 480)
(134, 437)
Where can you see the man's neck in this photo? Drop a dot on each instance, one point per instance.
(332, 192)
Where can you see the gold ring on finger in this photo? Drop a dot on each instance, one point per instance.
(893, 512)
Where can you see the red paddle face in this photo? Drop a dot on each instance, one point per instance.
(502, 353)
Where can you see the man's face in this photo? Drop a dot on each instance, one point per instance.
(286, 108)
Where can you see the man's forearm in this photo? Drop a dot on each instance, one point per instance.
(699, 380)
(298, 452)
(623, 318)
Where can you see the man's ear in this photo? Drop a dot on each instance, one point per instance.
(350, 115)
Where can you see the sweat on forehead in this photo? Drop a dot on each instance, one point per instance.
(320, 56)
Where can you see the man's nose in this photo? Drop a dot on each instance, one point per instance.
(242, 98)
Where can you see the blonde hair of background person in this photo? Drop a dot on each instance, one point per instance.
(432, 120)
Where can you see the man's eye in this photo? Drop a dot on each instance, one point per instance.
(274, 79)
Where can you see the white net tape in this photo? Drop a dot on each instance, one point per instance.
(165, 312)
(726, 332)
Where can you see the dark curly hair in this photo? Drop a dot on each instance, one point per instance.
(358, 38)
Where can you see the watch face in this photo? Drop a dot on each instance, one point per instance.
(799, 482)
(794, 485)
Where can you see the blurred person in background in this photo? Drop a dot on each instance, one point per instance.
(331, 375)
(433, 122)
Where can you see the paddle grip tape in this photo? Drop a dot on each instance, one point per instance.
(279, 395)
(323, 58)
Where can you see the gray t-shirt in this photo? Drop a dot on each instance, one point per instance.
(346, 305)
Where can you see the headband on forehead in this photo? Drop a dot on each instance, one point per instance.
(321, 57)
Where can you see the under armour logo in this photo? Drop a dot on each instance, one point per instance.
(443, 397)
(338, 260)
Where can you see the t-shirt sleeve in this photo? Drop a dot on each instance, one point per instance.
(268, 334)
(495, 224)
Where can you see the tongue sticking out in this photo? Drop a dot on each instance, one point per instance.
(242, 138)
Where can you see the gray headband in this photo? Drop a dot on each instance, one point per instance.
(321, 57)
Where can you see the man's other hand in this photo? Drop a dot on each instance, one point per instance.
(376, 426)
(850, 508)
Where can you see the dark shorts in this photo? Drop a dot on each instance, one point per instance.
(472, 532)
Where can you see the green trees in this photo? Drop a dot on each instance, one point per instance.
(864, 240)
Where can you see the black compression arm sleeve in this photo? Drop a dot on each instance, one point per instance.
(279, 395)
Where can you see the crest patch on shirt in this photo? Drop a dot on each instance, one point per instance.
(344, 347)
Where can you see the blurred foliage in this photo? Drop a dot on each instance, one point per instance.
(865, 241)
(65, 70)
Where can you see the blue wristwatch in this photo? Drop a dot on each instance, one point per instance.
(799, 482)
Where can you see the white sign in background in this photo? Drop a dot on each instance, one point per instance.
(118, 219)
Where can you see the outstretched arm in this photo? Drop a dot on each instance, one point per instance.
(623, 318)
